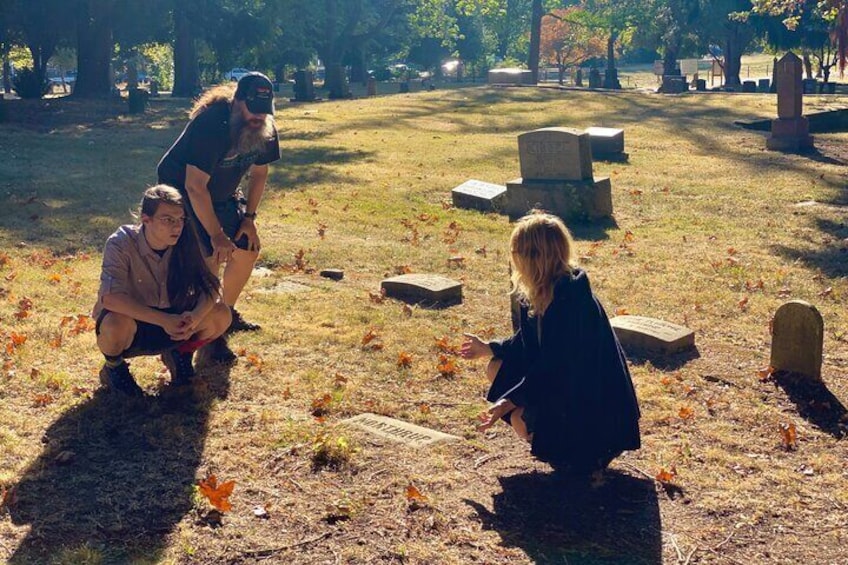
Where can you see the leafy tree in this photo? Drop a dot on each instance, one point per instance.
(43, 27)
(567, 43)
(615, 17)
(726, 23)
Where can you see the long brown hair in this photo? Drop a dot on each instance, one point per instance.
(188, 275)
(541, 252)
(216, 94)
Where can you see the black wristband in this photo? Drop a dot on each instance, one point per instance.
(250, 215)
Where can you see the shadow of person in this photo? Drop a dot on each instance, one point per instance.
(115, 475)
(555, 519)
(815, 403)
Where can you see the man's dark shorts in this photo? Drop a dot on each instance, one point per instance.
(149, 339)
(230, 213)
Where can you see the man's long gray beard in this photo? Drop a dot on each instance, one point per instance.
(248, 140)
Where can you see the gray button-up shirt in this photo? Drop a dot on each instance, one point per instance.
(132, 268)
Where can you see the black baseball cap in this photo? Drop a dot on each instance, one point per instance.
(257, 91)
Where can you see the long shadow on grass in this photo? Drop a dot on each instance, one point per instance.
(815, 403)
(115, 476)
(830, 260)
(555, 520)
(303, 167)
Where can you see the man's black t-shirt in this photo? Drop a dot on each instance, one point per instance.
(205, 143)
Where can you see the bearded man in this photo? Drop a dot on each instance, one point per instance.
(230, 134)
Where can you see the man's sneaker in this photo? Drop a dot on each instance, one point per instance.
(239, 324)
(119, 379)
(180, 365)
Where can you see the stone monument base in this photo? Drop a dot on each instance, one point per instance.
(568, 199)
(790, 134)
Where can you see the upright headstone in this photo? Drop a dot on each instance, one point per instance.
(372, 86)
(749, 86)
(607, 143)
(764, 85)
(791, 130)
(594, 78)
(797, 339)
(304, 87)
(556, 176)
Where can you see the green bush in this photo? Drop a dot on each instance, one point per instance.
(27, 84)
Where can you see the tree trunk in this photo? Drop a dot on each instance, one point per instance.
(7, 68)
(94, 51)
(732, 62)
(611, 74)
(335, 81)
(186, 73)
(535, 39)
(808, 65)
(358, 72)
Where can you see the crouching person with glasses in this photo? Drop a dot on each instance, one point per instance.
(157, 295)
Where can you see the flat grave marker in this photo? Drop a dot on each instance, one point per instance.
(423, 288)
(478, 195)
(398, 430)
(651, 335)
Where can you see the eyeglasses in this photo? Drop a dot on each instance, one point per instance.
(171, 221)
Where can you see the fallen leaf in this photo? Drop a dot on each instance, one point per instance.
(414, 495)
(321, 405)
(378, 298)
(443, 345)
(370, 336)
(686, 413)
(743, 304)
(446, 366)
(789, 435)
(255, 361)
(629, 237)
(42, 400)
(424, 408)
(404, 360)
(216, 494)
(403, 269)
(766, 374)
(407, 310)
(287, 394)
(667, 476)
(621, 312)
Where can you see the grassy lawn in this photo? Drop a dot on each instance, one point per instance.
(707, 233)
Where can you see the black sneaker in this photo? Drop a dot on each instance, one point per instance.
(239, 324)
(119, 379)
(180, 365)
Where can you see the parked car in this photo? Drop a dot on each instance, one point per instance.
(236, 73)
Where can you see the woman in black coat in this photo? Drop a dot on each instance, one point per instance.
(561, 381)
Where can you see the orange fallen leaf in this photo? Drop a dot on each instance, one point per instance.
(443, 345)
(370, 336)
(322, 230)
(743, 304)
(629, 237)
(414, 495)
(378, 297)
(766, 374)
(255, 361)
(42, 400)
(217, 495)
(8, 497)
(403, 269)
(686, 413)
(56, 342)
(321, 405)
(731, 251)
(621, 312)
(424, 408)
(339, 380)
(404, 360)
(446, 367)
(667, 476)
(287, 394)
(789, 435)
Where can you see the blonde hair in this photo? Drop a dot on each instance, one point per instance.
(221, 93)
(541, 252)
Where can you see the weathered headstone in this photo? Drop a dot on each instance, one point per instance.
(479, 195)
(594, 78)
(425, 289)
(510, 76)
(397, 430)
(701, 85)
(607, 143)
(403, 88)
(674, 84)
(638, 334)
(797, 338)
(372, 86)
(556, 176)
(304, 87)
(749, 86)
(764, 85)
(791, 130)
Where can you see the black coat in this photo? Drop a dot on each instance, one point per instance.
(575, 386)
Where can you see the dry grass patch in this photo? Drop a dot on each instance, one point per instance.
(707, 234)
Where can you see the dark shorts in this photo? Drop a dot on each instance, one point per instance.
(230, 213)
(149, 339)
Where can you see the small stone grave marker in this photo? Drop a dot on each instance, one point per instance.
(397, 430)
(606, 142)
(333, 274)
(650, 335)
(478, 195)
(261, 272)
(797, 339)
(422, 288)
